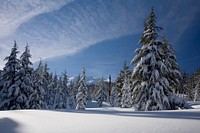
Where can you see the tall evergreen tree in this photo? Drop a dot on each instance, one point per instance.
(197, 90)
(189, 87)
(24, 80)
(72, 96)
(66, 91)
(197, 86)
(192, 87)
(126, 101)
(76, 86)
(119, 85)
(50, 94)
(150, 87)
(53, 90)
(68, 88)
(9, 91)
(47, 79)
(59, 102)
(184, 82)
(114, 101)
(38, 101)
(102, 93)
(81, 96)
(109, 88)
(173, 75)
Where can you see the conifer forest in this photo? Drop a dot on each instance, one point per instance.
(154, 82)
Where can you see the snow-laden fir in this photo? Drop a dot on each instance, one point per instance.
(155, 72)
(126, 101)
(116, 91)
(81, 95)
(102, 94)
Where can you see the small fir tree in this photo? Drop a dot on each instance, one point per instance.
(196, 89)
(66, 90)
(102, 94)
(50, 93)
(38, 96)
(126, 101)
(119, 85)
(113, 96)
(59, 101)
(82, 93)
(47, 79)
(71, 98)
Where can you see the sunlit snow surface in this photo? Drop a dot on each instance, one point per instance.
(101, 120)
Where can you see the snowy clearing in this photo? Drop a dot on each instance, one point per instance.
(100, 120)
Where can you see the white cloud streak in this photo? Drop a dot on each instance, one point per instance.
(14, 13)
(74, 27)
(53, 31)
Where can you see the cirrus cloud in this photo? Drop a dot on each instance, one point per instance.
(65, 27)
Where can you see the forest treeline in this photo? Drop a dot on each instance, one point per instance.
(154, 83)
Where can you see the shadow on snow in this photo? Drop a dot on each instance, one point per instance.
(7, 125)
(194, 115)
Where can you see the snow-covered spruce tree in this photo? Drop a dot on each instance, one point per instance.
(24, 81)
(192, 87)
(37, 98)
(151, 88)
(118, 92)
(61, 99)
(189, 87)
(173, 75)
(59, 102)
(76, 86)
(71, 98)
(102, 93)
(197, 90)
(109, 88)
(9, 91)
(50, 94)
(46, 82)
(81, 95)
(183, 85)
(66, 90)
(126, 101)
(113, 96)
(119, 85)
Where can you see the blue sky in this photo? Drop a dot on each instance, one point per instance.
(98, 34)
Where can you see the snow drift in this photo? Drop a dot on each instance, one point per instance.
(100, 120)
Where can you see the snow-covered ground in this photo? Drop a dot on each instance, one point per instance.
(100, 120)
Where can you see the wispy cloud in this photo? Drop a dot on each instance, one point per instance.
(78, 26)
(14, 13)
(55, 27)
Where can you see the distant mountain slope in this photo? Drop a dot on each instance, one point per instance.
(89, 79)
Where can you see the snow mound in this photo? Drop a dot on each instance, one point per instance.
(195, 105)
